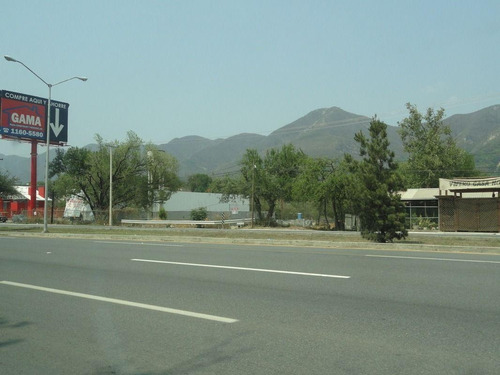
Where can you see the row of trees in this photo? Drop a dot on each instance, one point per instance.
(366, 185)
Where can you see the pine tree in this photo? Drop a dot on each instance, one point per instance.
(382, 213)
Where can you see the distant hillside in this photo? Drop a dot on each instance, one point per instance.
(184, 148)
(20, 167)
(325, 132)
(479, 134)
(201, 155)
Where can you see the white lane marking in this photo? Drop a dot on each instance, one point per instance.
(241, 268)
(139, 243)
(123, 302)
(429, 258)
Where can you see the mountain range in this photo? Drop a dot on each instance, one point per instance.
(325, 132)
(329, 132)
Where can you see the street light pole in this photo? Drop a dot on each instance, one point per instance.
(110, 186)
(150, 184)
(252, 202)
(47, 129)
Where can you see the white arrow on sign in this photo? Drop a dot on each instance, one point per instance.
(57, 128)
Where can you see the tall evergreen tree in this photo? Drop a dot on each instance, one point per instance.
(382, 213)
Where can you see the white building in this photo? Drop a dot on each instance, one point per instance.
(181, 203)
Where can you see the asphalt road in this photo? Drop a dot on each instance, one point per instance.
(109, 307)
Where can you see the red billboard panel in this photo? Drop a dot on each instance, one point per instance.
(23, 120)
(24, 117)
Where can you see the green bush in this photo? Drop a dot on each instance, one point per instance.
(426, 223)
(162, 214)
(199, 213)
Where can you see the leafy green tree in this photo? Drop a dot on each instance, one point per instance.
(88, 172)
(7, 185)
(252, 176)
(64, 185)
(65, 166)
(199, 182)
(341, 186)
(270, 179)
(382, 213)
(432, 150)
(327, 183)
(226, 185)
(311, 185)
(162, 179)
(137, 171)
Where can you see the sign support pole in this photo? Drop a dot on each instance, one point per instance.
(47, 129)
(32, 204)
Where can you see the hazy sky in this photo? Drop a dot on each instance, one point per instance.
(168, 69)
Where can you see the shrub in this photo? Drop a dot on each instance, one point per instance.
(199, 213)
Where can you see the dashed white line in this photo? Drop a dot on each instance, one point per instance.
(124, 302)
(242, 268)
(440, 259)
(140, 243)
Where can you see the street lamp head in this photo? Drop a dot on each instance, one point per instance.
(8, 58)
(82, 78)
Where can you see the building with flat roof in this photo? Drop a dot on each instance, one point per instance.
(181, 203)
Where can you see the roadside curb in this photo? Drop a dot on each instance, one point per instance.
(353, 245)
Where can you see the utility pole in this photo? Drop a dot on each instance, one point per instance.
(110, 186)
(252, 202)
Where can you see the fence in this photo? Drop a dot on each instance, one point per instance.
(469, 215)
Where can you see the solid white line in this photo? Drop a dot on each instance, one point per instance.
(242, 268)
(441, 259)
(123, 302)
(139, 243)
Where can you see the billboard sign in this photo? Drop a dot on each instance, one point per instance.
(76, 207)
(24, 117)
